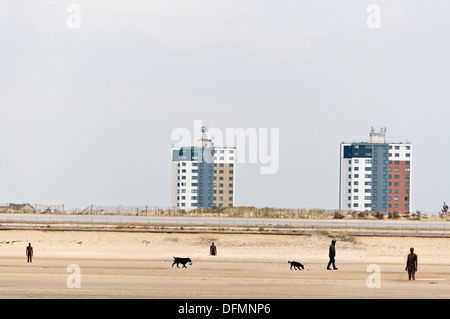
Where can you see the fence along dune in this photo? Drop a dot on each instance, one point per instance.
(236, 212)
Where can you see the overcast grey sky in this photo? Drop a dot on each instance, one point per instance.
(86, 114)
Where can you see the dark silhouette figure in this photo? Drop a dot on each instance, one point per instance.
(29, 253)
(411, 264)
(445, 210)
(332, 254)
(213, 249)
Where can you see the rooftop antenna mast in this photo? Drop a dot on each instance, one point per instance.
(204, 130)
(205, 142)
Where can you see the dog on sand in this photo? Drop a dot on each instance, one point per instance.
(183, 261)
(296, 265)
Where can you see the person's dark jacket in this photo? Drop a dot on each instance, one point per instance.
(332, 252)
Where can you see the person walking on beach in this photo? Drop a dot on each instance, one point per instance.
(213, 249)
(332, 254)
(411, 264)
(29, 253)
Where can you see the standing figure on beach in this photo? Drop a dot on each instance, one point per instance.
(445, 211)
(213, 249)
(29, 253)
(332, 254)
(411, 264)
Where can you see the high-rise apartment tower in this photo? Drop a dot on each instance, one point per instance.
(203, 175)
(375, 175)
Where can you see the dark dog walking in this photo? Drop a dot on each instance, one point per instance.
(183, 261)
(296, 265)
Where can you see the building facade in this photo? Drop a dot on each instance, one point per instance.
(203, 176)
(375, 175)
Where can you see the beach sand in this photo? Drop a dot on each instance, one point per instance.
(139, 265)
